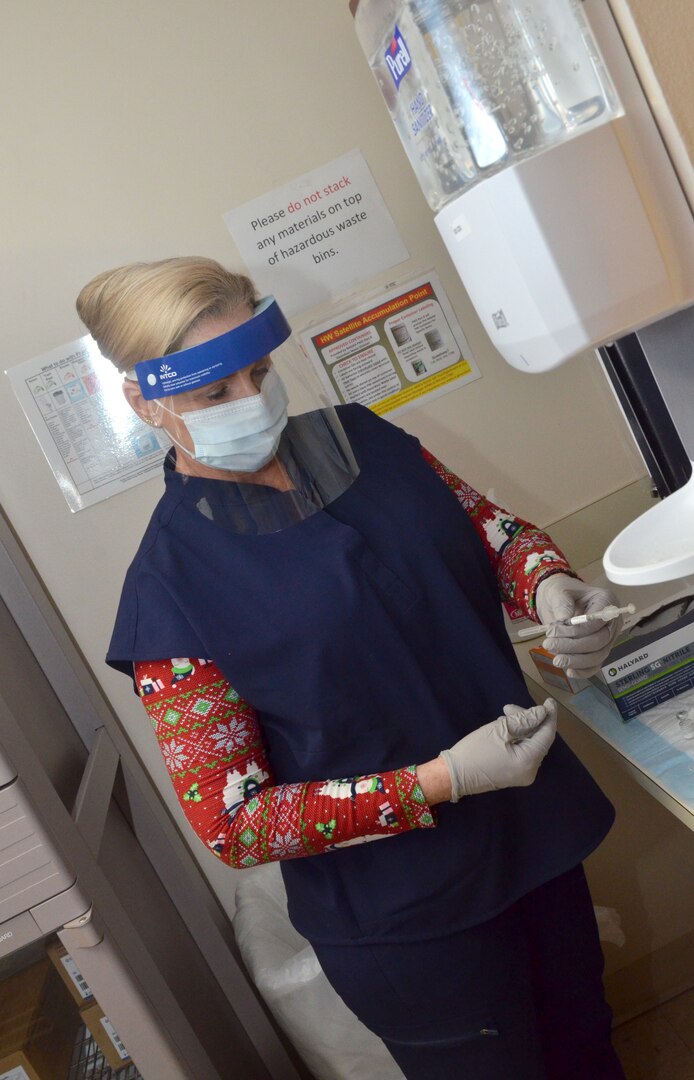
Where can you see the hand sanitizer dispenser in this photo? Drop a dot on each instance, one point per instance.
(532, 140)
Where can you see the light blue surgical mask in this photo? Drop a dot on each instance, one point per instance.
(242, 435)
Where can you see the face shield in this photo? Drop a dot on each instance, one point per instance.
(263, 422)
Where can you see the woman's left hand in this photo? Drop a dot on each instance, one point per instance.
(579, 649)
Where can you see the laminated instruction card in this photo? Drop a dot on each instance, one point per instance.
(93, 441)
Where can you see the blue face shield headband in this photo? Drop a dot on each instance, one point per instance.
(185, 370)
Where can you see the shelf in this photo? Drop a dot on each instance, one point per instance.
(665, 772)
(663, 767)
(88, 1062)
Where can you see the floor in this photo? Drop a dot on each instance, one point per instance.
(660, 1044)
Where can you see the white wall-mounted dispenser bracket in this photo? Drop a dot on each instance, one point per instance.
(583, 243)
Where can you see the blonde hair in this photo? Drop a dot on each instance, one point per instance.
(144, 310)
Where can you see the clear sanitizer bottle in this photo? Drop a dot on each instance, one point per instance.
(424, 118)
(474, 86)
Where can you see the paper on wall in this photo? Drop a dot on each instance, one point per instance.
(392, 350)
(93, 441)
(312, 238)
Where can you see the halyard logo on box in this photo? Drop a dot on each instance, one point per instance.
(627, 664)
(398, 57)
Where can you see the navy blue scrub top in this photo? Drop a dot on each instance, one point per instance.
(368, 636)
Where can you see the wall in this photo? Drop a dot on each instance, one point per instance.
(128, 130)
(659, 38)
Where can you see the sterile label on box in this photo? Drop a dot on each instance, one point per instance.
(76, 978)
(114, 1037)
(652, 669)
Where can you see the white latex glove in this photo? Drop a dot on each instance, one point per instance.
(506, 753)
(581, 649)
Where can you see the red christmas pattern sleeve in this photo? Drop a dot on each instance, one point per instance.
(521, 554)
(214, 752)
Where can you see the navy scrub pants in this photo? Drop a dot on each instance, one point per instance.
(517, 998)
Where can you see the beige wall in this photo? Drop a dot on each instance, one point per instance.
(129, 128)
(659, 36)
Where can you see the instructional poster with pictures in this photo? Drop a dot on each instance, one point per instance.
(393, 350)
(92, 439)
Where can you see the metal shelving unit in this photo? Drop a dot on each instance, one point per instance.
(88, 1063)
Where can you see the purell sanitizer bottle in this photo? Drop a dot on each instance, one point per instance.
(406, 74)
(474, 86)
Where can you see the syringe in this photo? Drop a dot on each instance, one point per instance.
(606, 614)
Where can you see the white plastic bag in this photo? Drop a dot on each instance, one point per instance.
(327, 1035)
(609, 925)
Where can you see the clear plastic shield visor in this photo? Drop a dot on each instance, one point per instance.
(261, 446)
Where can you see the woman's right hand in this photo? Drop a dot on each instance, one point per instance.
(506, 753)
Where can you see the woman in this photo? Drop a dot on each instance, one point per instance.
(312, 615)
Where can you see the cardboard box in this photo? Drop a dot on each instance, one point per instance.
(105, 1036)
(17, 1067)
(649, 669)
(68, 971)
(38, 1024)
(554, 676)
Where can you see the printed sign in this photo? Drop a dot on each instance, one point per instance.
(92, 439)
(393, 350)
(311, 239)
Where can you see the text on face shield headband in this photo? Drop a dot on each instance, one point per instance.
(185, 370)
